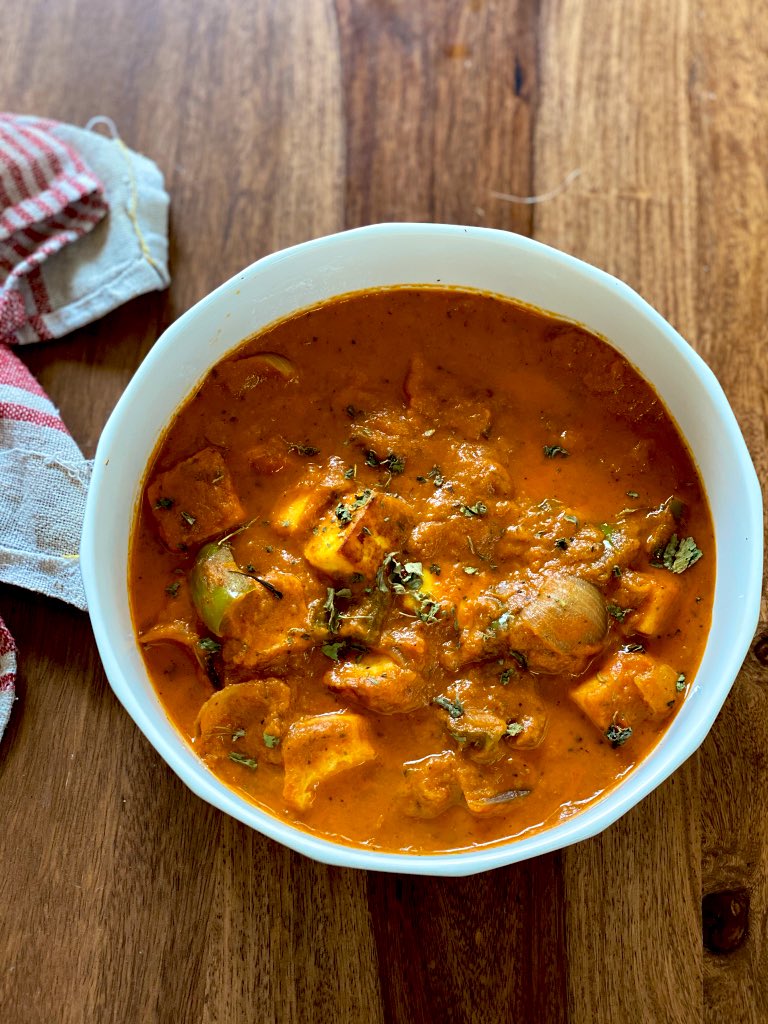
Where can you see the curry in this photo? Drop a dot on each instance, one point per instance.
(421, 569)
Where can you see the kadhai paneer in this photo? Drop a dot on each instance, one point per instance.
(421, 569)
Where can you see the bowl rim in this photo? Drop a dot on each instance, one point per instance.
(602, 812)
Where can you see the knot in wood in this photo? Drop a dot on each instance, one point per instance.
(724, 919)
(760, 649)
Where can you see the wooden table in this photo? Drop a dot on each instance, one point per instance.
(124, 898)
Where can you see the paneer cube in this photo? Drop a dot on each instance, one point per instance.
(607, 697)
(247, 720)
(310, 497)
(318, 747)
(357, 540)
(654, 595)
(378, 684)
(195, 500)
(299, 511)
(630, 689)
(658, 688)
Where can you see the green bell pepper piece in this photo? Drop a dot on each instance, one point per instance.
(215, 583)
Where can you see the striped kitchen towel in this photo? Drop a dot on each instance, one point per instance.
(44, 484)
(83, 228)
(7, 675)
(49, 198)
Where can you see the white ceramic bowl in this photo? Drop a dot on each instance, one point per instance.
(387, 254)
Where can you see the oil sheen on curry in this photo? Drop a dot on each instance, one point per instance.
(421, 569)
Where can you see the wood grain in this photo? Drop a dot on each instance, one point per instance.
(122, 896)
(672, 209)
(430, 132)
(623, 123)
(727, 76)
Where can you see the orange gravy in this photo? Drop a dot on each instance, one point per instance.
(554, 622)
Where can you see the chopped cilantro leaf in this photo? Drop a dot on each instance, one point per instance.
(679, 555)
(617, 612)
(472, 511)
(513, 729)
(618, 734)
(429, 610)
(520, 658)
(343, 514)
(632, 649)
(680, 684)
(270, 740)
(496, 625)
(454, 708)
(173, 589)
(165, 503)
(209, 645)
(188, 518)
(333, 615)
(394, 463)
(243, 759)
(407, 579)
(332, 650)
(551, 450)
(436, 476)
(400, 578)
(303, 449)
(362, 499)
